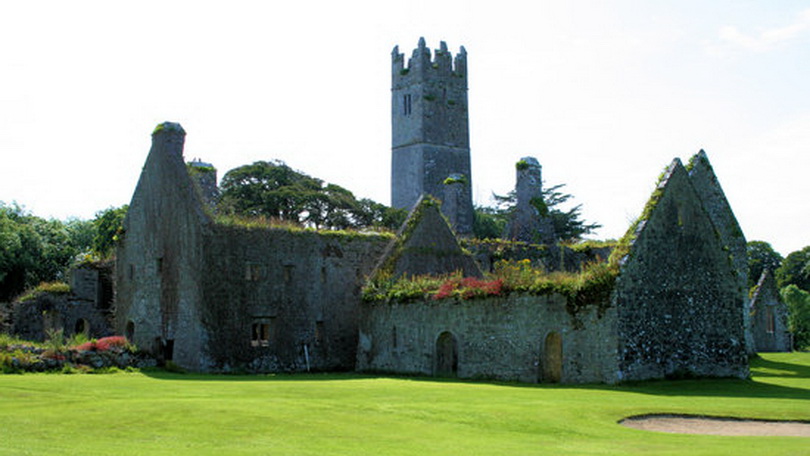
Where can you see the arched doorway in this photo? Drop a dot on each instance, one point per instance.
(446, 355)
(129, 332)
(82, 327)
(552, 358)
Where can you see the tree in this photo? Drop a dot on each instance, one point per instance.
(32, 250)
(798, 302)
(567, 224)
(795, 269)
(274, 190)
(488, 223)
(108, 225)
(761, 256)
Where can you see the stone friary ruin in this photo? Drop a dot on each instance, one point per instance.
(215, 296)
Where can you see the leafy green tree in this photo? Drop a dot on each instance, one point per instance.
(108, 226)
(32, 250)
(568, 225)
(488, 223)
(274, 190)
(761, 256)
(798, 302)
(795, 269)
(374, 214)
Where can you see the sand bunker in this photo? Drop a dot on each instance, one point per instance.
(690, 424)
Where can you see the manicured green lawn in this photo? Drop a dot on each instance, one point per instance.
(162, 413)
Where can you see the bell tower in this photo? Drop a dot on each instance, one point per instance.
(430, 144)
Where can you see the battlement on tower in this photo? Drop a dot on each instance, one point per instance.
(425, 64)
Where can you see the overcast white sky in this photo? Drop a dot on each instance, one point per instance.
(604, 93)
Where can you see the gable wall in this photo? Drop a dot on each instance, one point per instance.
(677, 295)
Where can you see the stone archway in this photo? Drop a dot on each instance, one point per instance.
(129, 331)
(446, 355)
(552, 358)
(82, 327)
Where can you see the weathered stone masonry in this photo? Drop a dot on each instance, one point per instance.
(217, 297)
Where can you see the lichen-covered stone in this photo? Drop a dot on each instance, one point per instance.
(677, 296)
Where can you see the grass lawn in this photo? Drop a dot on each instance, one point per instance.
(162, 413)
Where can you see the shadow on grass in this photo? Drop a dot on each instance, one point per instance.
(708, 387)
(767, 368)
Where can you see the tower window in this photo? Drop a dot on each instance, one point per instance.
(406, 104)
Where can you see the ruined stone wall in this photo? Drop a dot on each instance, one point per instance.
(553, 258)
(32, 319)
(769, 317)
(506, 338)
(281, 300)
(159, 256)
(677, 295)
(708, 188)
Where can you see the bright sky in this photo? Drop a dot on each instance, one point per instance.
(604, 93)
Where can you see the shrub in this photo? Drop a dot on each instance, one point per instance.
(468, 287)
(106, 344)
(46, 287)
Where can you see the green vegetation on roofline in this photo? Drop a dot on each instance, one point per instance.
(198, 169)
(522, 165)
(456, 179)
(699, 157)
(622, 248)
(591, 286)
(387, 268)
(168, 126)
(590, 244)
(265, 223)
(57, 288)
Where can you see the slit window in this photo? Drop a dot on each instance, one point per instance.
(406, 104)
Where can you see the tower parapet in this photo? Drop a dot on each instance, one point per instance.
(430, 127)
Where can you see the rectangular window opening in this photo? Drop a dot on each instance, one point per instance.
(288, 273)
(253, 272)
(260, 334)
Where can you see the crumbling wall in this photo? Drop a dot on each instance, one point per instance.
(501, 338)
(677, 294)
(159, 256)
(281, 300)
(34, 318)
(769, 317)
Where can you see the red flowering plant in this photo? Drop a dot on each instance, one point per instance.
(468, 287)
(105, 344)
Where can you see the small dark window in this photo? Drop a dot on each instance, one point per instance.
(253, 272)
(159, 265)
(394, 337)
(406, 104)
(770, 321)
(131, 271)
(288, 273)
(323, 274)
(261, 334)
(129, 332)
